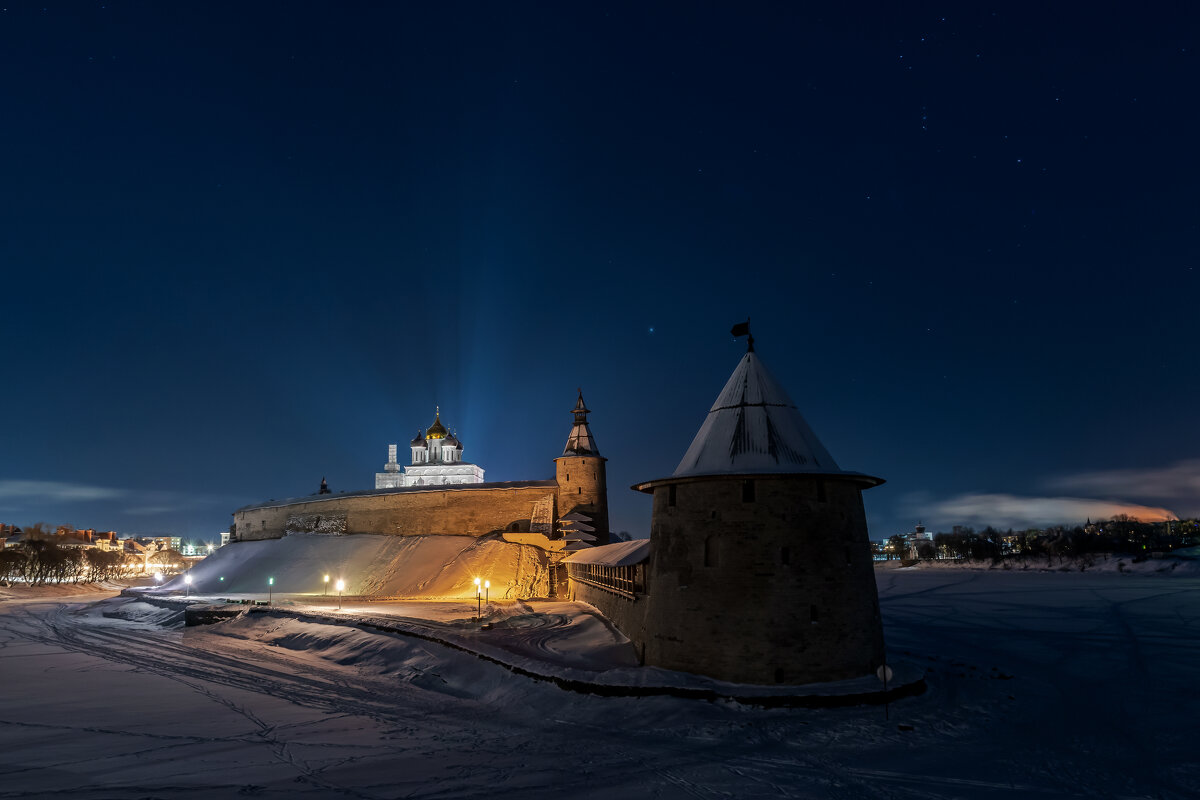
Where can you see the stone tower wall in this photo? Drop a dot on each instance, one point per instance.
(779, 588)
(583, 487)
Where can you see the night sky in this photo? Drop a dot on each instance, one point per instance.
(248, 245)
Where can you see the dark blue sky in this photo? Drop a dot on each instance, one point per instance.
(248, 245)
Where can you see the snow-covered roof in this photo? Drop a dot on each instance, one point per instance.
(753, 427)
(618, 554)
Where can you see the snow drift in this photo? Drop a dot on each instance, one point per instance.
(381, 566)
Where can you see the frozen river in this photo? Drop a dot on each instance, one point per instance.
(1039, 685)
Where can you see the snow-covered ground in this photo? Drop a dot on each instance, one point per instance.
(407, 566)
(1040, 684)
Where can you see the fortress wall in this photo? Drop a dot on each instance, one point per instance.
(778, 589)
(629, 616)
(462, 511)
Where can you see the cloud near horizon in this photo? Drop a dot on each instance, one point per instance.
(1179, 481)
(56, 490)
(1013, 511)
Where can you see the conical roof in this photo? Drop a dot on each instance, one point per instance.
(753, 427)
(581, 442)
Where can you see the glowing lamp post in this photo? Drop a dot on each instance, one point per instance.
(477, 595)
(270, 590)
(158, 577)
(326, 585)
(487, 589)
(187, 585)
(341, 584)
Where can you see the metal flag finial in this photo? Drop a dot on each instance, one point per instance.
(743, 329)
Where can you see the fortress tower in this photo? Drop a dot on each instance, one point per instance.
(760, 568)
(579, 471)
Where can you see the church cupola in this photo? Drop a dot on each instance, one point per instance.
(418, 448)
(437, 430)
(452, 449)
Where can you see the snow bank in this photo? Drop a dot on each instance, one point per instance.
(23, 591)
(381, 566)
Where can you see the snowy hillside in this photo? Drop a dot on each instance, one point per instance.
(386, 566)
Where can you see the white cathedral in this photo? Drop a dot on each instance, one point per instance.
(436, 461)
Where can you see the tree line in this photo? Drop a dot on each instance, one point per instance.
(1121, 534)
(40, 561)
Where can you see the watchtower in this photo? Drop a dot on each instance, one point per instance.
(582, 484)
(760, 567)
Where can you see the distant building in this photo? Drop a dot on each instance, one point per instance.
(914, 539)
(436, 461)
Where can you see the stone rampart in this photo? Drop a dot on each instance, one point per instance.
(465, 510)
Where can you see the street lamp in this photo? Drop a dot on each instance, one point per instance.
(341, 584)
(478, 610)
(187, 585)
(487, 588)
(326, 585)
(270, 590)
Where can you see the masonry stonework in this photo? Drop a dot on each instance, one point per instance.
(583, 488)
(468, 510)
(762, 579)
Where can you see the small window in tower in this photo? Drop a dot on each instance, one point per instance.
(581, 490)
(747, 491)
(568, 477)
(813, 615)
(671, 495)
(785, 556)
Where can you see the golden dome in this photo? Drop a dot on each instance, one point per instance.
(436, 430)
